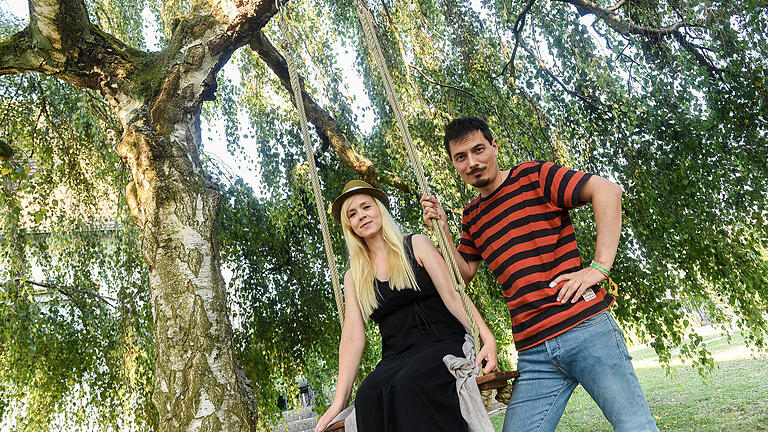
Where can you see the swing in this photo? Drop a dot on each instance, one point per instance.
(486, 383)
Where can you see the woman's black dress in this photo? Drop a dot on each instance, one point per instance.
(411, 389)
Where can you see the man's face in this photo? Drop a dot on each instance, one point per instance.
(475, 159)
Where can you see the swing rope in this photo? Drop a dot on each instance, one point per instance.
(366, 19)
(316, 191)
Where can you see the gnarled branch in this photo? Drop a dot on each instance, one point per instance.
(517, 30)
(55, 42)
(324, 123)
(19, 54)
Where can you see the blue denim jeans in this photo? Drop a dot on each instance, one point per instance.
(592, 354)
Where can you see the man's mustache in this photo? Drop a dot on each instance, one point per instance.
(476, 171)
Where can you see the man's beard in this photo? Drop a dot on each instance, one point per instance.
(480, 182)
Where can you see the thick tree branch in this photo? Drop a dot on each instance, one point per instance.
(54, 43)
(612, 18)
(324, 123)
(245, 18)
(61, 41)
(617, 6)
(18, 54)
(625, 27)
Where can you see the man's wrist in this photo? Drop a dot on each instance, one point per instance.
(604, 269)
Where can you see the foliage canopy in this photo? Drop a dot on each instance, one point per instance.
(675, 114)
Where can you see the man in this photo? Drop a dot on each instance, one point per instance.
(563, 331)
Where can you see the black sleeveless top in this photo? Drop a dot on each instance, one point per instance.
(409, 317)
(411, 390)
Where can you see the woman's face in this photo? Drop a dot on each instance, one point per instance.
(364, 216)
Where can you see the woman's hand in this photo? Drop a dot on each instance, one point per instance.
(329, 415)
(488, 353)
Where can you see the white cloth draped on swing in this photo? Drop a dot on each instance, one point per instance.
(470, 401)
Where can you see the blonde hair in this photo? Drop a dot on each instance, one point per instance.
(400, 272)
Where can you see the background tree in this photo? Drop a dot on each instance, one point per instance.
(666, 97)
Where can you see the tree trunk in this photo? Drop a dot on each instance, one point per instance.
(199, 384)
(158, 97)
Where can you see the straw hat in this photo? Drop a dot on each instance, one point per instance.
(354, 187)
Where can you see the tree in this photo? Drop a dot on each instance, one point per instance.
(158, 97)
(666, 97)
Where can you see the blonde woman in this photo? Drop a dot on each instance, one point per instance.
(404, 286)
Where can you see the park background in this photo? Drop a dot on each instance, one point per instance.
(666, 98)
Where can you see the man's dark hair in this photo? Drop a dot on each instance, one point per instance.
(462, 127)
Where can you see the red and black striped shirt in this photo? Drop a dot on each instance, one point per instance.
(524, 233)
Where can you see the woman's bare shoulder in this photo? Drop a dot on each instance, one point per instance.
(421, 244)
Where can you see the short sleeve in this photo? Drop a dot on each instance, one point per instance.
(467, 247)
(561, 185)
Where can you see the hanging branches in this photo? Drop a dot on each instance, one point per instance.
(626, 27)
(325, 124)
(592, 103)
(517, 29)
(439, 84)
(73, 293)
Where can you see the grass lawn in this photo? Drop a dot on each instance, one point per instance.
(734, 397)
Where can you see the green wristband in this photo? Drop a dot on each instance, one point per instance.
(601, 268)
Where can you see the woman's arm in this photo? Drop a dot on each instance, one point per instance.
(350, 351)
(428, 256)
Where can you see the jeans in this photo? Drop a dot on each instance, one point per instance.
(592, 354)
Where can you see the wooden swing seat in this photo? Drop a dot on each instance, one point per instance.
(491, 381)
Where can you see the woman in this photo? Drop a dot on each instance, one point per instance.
(402, 284)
